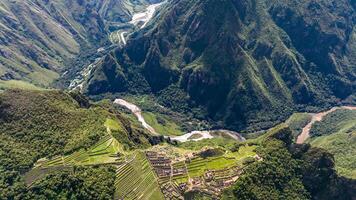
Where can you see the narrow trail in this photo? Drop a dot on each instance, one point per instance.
(317, 117)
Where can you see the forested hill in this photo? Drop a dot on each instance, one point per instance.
(246, 62)
(36, 124)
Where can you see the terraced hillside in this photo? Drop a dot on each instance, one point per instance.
(35, 124)
(137, 180)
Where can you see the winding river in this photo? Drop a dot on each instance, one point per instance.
(138, 113)
(192, 136)
(316, 117)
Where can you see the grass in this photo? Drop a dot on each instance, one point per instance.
(337, 134)
(215, 142)
(112, 124)
(15, 84)
(104, 152)
(137, 180)
(198, 166)
(343, 147)
(297, 121)
(162, 124)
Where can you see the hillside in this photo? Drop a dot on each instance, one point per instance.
(337, 134)
(248, 64)
(56, 144)
(40, 39)
(35, 124)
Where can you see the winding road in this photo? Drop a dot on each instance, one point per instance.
(317, 117)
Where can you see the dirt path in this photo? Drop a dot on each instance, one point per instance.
(316, 117)
(138, 113)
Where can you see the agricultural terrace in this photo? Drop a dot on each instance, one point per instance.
(106, 151)
(212, 169)
(137, 180)
(197, 166)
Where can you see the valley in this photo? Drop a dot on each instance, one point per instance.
(317, 117)
(177, 99)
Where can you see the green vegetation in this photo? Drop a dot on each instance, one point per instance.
(80, 183)
(59, 35)
(83, 183)
(290, 171)
(107, 150)
(198, 166)
(252, 83)
(297, 122)
(166, 119)
(273, 178)
(14, 84)
(226, 143)
(161, 124)
(112, 125)
(36, 124)
(136, 179)
(337, 134)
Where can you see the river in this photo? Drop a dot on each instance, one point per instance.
(191, 136)
(317, 117)
(137, 20)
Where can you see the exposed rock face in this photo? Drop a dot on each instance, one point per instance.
(245, 61)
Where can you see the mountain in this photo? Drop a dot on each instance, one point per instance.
(247, 63)
(58, 145)
(39, 39)
(43, 124)
(337, 134)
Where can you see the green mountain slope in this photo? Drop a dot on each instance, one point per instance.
(247, 63)
(290, 171)
(35, 124)
(337, 134)
(39, 38)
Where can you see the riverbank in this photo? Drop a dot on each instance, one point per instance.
(316, 117)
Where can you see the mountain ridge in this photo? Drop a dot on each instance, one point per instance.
(236, 58)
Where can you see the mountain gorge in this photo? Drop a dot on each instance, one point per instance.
(178, 99)
(246, 62)
(40, 39)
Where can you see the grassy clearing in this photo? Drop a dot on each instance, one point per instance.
(137, 180)
(162, 124)
(215, 142)
(15, 84)
(198, 166)
(104, 152)
(112, 124)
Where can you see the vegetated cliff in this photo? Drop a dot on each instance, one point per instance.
(39, 38)
(246, 62)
